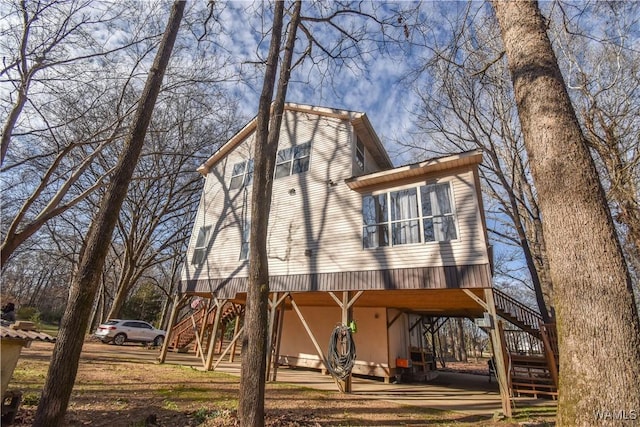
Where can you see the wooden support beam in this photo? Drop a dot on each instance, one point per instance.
(416, 323)
(177, 301)
(336, 299)
(214, 331)
(198, 339)
(499, 355)
(476, 299)
(271, 324)
(309, 332)
(226, 350)
(278, 341)
(396, 317)
(279, 300)
(347, 316)
(237, 309)
(203, 327)
(354, 299)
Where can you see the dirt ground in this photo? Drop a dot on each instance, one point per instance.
(119, 386)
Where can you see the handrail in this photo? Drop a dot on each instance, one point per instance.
(185, 328)
(524, 314)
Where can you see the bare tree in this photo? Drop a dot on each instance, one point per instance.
(165, 188)
(66, 354)
(593, 293)
(59, 126)
(254, 348)
(466, 103)
(268, 121)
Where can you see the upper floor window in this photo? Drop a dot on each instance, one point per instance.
(242, 174)
(375, 216)
(412, 215)
(244, 245)
(293, 160)
(360, 153)
(200, 251)
(439, 223)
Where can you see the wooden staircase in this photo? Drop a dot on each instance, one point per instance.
(517, 313)
(532, 351)
(183, 334)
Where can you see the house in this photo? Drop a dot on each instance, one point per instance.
(350, 238)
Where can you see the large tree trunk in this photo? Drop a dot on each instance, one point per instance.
(254, 341)
(66, 354)
(255, 346)
(598, 327)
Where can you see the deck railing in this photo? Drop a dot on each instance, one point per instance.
(525, 315)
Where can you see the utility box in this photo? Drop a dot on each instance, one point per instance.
(13, 337)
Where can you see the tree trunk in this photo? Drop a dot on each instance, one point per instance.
(126, 281)
(598, 327)
(462, 350)
(254, 348)
(66, 354)
(254, 341)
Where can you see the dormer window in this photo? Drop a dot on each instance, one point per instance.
(359, 153)
(292, 160)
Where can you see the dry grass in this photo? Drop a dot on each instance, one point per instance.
(116, 389)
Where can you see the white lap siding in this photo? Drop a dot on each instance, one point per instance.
(315, 223)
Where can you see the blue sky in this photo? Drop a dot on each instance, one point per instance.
(370, 83)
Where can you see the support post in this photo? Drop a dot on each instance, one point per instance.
(236, 328)
(272, 319)
(498, 354)
(214, 331)
(274, 305)
(177, 302)
(347, 316)
(280, 320)
(203, 327)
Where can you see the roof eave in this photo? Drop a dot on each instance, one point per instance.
(415, 170)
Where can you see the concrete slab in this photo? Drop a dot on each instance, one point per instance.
(449, 391)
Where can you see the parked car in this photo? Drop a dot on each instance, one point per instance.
(120, 331)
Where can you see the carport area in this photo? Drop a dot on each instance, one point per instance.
(449, 391)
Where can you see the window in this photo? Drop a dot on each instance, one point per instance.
(242, 174)
(438, 220)
(244, 245)
(360, 153)
(412, 215)
(293, 160)
(375, 217)
(405, 222)
(200, 252)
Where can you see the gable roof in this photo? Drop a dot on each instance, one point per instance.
(358, 120)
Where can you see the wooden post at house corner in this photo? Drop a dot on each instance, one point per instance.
(499, 354)
(178, 300)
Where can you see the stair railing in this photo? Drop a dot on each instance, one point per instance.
(515, 308)
(184, 329)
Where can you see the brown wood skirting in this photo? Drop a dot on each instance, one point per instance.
(448, 277)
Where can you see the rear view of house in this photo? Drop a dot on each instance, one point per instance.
(350, 238)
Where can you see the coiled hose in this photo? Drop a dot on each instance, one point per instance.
(342, 352)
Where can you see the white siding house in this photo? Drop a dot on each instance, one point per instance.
(343, 219)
